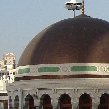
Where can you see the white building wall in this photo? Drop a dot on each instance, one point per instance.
(55, 88)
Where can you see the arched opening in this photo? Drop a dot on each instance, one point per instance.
(16, 102)
(29, 102)
(65, 102)
(10, 103)
(104, 101)
(85, 101)
(46, 102)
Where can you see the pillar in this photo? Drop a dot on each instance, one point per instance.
(75, 102)
(20, 98)
(95, 102)
(54, 103)
(13, 102)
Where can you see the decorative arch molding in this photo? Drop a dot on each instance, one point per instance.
(85, 101)
(29, 92)
(83, 91)
(45, 102)
(104, 101)
(33, 93)
(65, 101)
(29, 102)
(101, 92)
(16, 102)
(15, 93)
(45, 93)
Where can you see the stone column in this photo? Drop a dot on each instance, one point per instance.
(36, 102)
(20, 98)
(95, 102)
(12, 101)
(55, 104)
(54, 101)
(75, 102)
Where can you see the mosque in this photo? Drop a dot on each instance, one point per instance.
(65, 66)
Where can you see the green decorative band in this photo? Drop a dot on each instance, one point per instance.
(48, 69)
(26, 70)
(83, 68)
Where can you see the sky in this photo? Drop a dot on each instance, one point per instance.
(22, 20)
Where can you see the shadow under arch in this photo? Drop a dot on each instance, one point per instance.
(16, 102)
(104, 101)
(45, 102)
(85, 101)
(65, 102)
(29, 102)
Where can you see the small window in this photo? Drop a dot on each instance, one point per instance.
(5, 62)
(79, 3)
(13, 73)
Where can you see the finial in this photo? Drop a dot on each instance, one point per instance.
(82, 7)
(74, 5)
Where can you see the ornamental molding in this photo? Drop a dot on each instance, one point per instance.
(70, 68)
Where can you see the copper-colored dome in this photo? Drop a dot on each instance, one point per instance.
(75, 40)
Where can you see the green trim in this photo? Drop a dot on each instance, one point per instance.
(48, 69)
(25, 70)
(83, 68)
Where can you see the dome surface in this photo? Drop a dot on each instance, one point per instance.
(75, 40)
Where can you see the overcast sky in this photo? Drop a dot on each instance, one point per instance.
(21, 20)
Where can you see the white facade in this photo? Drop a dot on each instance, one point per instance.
(72, 88)
(9, 61)
(8, 68)
(7, 74)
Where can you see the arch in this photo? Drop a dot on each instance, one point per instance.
(85, 101)
(104, 101)
(46, 102)
(29, 102)
(10, 102)
(16, 102)
(65, 102)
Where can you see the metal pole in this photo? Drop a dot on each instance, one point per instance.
(74, 13)
(82, 7)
